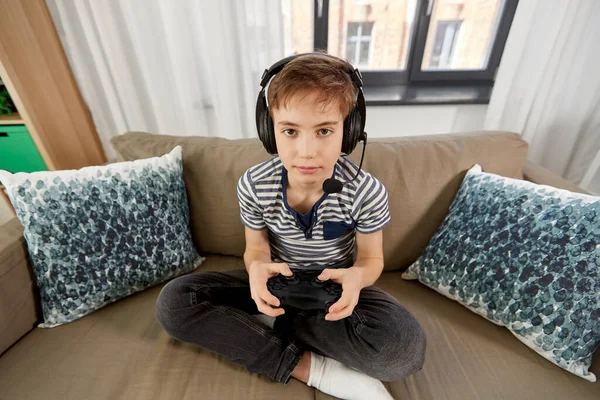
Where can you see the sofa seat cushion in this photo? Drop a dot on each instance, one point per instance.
(469, 357)
(121, 352)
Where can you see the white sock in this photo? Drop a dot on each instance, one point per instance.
(334, 378)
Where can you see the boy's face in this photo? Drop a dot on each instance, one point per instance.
(309, 139)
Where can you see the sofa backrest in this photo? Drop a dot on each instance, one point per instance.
(422, 175)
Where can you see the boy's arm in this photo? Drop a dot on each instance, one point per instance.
(257, 247)
(373, 216)
(251, 215)
(369, 257)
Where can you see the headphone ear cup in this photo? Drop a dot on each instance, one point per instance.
(352, 125)
(264, 124)
(270, 135)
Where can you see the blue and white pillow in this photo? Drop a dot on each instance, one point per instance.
(98, 234)
(526, 257)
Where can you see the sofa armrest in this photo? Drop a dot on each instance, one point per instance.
(19, 310)
(542, 176)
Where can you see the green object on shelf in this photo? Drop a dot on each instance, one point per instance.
(6, 104)
(18, 153)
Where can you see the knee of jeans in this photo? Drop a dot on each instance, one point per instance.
(403, 355)
(407, 358)
(172, 297)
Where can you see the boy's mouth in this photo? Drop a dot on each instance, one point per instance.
(307, 170)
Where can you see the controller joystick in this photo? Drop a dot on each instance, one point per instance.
(291, 279)
(316, 282)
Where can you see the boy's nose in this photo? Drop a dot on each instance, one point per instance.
(307, 146)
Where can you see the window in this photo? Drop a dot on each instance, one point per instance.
(358, 43)
(444, 44)
(398, 42)
(298, 26)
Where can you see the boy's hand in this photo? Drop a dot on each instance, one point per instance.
(350, 279)
(259, 273)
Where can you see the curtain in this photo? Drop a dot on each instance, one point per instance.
(170, 67)
(548, 87)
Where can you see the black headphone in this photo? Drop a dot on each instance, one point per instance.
(354, 124)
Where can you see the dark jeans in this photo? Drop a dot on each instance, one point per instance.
(214, 311)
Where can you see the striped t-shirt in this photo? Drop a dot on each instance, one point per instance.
(324, 237)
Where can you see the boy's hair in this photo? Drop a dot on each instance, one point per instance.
(313, 73)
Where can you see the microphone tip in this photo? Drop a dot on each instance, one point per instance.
(332, 186)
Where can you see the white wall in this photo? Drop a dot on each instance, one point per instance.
(386, 121)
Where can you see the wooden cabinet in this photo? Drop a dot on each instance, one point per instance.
(35, 70)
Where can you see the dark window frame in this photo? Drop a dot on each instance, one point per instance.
(419, 30)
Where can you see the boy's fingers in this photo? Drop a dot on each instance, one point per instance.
(325, 275)
(342, 303)
(280, 268)
(332, 274)
(333, 315)
(270, 311)
(268, 298)
(285, 270)
(346, 312)
(266, 309)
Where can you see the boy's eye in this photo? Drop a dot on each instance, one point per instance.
(289, 132)
(325, 132)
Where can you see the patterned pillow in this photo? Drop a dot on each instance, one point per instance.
(526, 257)
(98, 234)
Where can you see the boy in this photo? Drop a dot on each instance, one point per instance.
(366, 336)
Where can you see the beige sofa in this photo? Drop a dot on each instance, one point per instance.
(121, 352)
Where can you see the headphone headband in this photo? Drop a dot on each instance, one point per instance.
(354, 73)
(354, 123)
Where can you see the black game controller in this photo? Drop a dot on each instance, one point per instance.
(304, 290)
